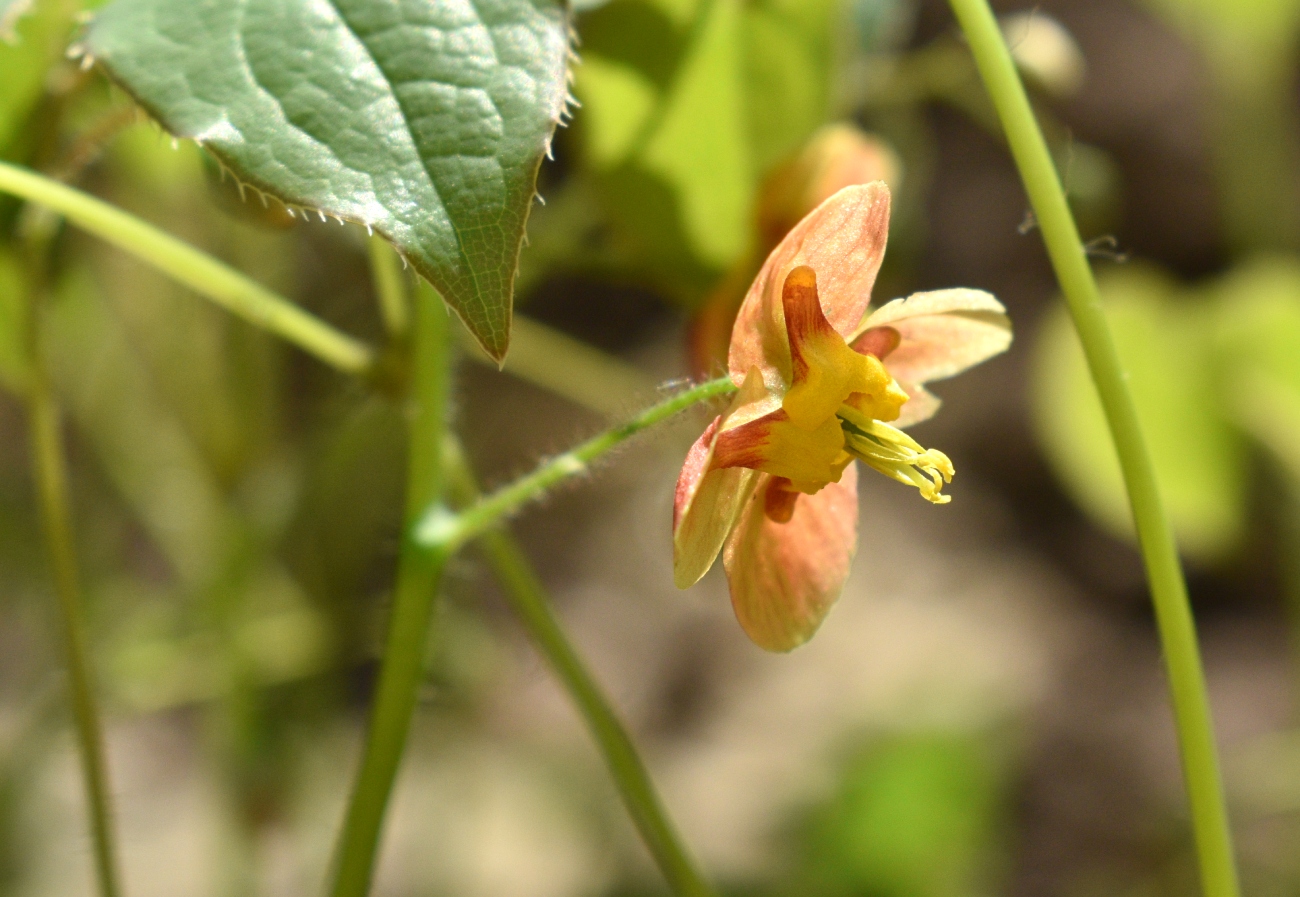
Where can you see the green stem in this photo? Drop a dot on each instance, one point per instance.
(418, 576)
(196, 270)
(52, 481)
(390, 286)
(527, 597)
(1168, 589)
(444, 532)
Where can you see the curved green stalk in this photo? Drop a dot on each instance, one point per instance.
(1168, 589)
(418, 576)
(444, 532)
(52, 483)
(196, 270)
(527, 597)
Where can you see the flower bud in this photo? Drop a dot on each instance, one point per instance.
(836, 156)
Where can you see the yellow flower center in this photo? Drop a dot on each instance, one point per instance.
(897, 455)
(833, 411)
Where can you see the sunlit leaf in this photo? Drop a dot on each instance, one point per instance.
(701, 99)
(1164, 341)
(699, 145)
(1258, 338)
(617, 102)
(424, 120)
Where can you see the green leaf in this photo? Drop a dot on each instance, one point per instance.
(701, 97)
(1164, 340)
(1257, 334)
(426, 121)
(1258, 326)
(699, 145)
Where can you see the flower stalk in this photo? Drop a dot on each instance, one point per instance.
(528, 599)
(443, 532)
(1155, 535)
(51, 474)
(197, 270)
(419, 573)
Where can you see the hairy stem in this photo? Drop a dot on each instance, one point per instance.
(527, 597)
(196, 270)
(418, 575)
(1155, 536)
(50, 467)
(444, 532)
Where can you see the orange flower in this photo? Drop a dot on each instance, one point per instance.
(771, 482)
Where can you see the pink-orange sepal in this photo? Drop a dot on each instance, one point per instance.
(843, 240)
(785, 577)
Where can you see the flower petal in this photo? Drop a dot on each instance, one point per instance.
(942, 333)
(921, 405)
(843, 240)
(774, 444)
(785, 576)
(708, 500)
(707, 519)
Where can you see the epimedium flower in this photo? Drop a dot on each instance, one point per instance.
(771, 482)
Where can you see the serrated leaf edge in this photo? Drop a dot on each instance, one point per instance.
(79, 53)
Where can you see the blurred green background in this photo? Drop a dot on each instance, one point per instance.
(985, 711)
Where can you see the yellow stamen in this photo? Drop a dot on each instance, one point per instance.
(897, 455)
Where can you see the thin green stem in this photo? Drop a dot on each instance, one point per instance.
(52, 482)
(527, 597)
(418, 575)
(444, 532)
(196, 270)
(1155, 536)
(390, 286)
(570, 368)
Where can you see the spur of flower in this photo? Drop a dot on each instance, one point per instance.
(771, 482)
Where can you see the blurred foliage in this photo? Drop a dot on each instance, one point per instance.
(1241, 29)
(1165, 345)
(686, 106)
(1250, 50)
(1211, 366)
(37, 41)
(14, 368)
(1258, 343)
(912, 815)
